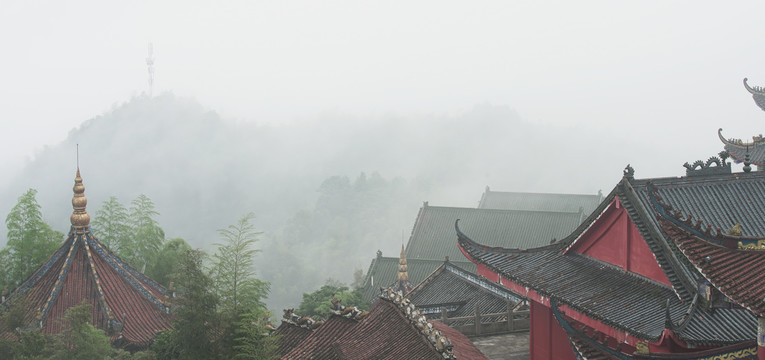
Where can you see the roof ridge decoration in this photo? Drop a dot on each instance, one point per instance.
(348, 312)
(700, 168)
(403, 283)
(305, 322)
(758, 94)
(436, 339)
(629, 172)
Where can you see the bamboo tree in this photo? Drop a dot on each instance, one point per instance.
(112, 226)
(30, 240)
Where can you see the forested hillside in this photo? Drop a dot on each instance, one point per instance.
(326, 193)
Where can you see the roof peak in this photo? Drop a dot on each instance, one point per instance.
(80, 217)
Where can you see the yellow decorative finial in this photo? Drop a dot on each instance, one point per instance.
(80, 217)
(403, 274)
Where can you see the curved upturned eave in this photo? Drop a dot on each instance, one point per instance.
(753, 90)
(498, 249)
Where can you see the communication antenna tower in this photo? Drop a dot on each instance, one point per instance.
(150, 65)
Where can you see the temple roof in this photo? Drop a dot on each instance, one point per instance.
(129, 306)
(289, 336)
(625, 300)
(593, 347)
(460, 291)
(758, 94)
(433, 233)
(396, 329)
(734, 272)
(506, 200)
(392, 329)
(739, 149)
(383, 271)
(318, 345)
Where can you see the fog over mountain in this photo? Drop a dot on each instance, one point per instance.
(327, 193)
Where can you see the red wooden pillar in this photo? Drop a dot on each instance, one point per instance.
(761, 338)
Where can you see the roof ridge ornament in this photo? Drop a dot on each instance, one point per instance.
(410, 311)
(80, 217)
(701, 168)
(629, 173)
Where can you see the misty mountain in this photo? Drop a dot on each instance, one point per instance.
(352, 184)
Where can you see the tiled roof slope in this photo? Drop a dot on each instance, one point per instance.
(506, 200)
(318, 345)
(391, 332)
(383, 272)
(289, 336)
(130, 307)
(592, 347)
(736, 273)
(462, 347)
(451, 285)
(725, 199)
(433, 233)
(629, 303)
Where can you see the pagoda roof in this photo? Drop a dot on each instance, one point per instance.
(383, 271)
(433, 233)
(460, 291)
(508, 200)
(628, 301)
(127, 305)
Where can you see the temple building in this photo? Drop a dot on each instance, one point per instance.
(630, 283)
(432, 237)
(127, 305)
(463, 300)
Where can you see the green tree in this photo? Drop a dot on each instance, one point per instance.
(147, 236)
(241, 293)
(195, 329)
(79, 338)
(319, 302)
(112, 225)
(253, 342)
(30, 240)
(166, 262)
(234, 270)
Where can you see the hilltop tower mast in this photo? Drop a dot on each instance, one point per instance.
(150, 66)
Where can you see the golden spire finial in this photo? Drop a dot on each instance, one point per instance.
(403, 275)
(80, 217)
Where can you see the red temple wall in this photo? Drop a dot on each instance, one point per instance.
(548, 340)
(614, 238)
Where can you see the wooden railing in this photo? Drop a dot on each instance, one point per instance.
(514, 321)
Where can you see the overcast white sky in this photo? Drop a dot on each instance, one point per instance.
(663, 71)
